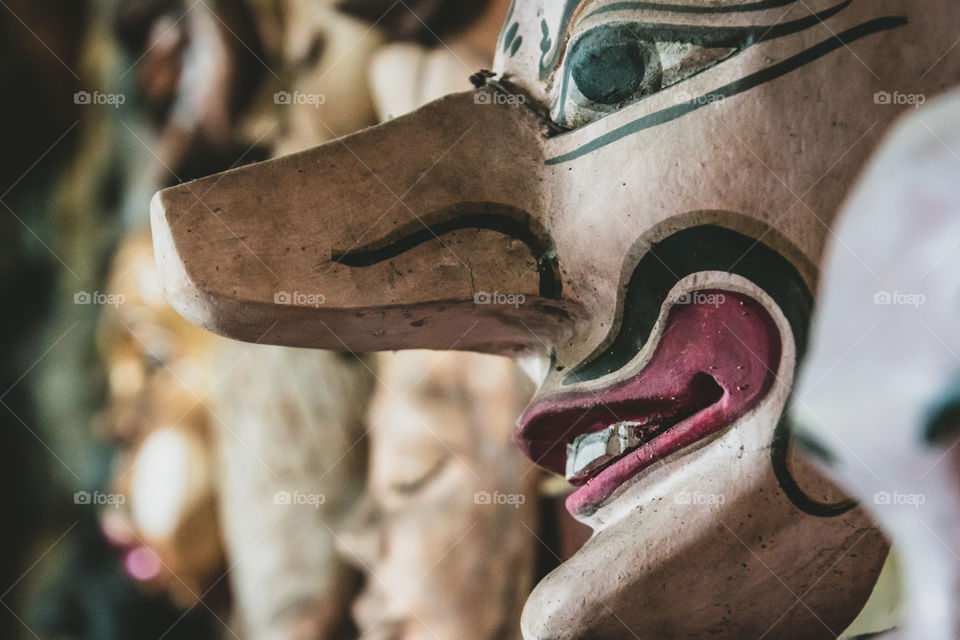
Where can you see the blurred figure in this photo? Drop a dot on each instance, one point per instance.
(884, 418)
(447, 531)
(158, 372)
(279, 421)
(292, 452)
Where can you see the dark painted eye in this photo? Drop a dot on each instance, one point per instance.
(606, 68)
(609, 64)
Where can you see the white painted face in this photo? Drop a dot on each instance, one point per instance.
(674, 116)
(644, 193)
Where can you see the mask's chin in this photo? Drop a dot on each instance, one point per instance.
(704, 544)
(661, 539)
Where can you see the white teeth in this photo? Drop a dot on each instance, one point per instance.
(589, 452)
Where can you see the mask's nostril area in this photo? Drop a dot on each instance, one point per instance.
(704, 389)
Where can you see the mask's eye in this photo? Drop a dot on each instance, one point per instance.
(609, 65)
(616, 64)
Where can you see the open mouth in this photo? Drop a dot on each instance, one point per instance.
(715, 361)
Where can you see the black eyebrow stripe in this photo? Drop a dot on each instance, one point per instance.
(739, 86)
(509, 221)
(546, 44)
(684, 8)
(737, 37)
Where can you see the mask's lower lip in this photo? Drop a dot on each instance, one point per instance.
(592, 453)
(714, 363)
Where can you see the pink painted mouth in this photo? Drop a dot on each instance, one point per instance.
(715, 361)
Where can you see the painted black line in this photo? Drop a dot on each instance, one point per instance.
(737, 38)
(504, 219)
(779, 459)
(740, 86)
(693, 250)
(726, 37)
(510, 35)
(713, 248)
(685, 8)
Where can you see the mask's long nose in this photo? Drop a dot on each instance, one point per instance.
(425, 231)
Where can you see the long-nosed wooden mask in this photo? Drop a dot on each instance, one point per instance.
(644, 191)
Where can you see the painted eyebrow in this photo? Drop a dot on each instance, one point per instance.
(549, 60)
(763, 5)
(740, 37)
(505, 219)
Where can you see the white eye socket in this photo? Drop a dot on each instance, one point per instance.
(614, 65)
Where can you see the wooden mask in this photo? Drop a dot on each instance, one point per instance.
(641, 191)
